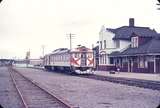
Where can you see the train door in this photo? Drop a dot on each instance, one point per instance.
(83, 59)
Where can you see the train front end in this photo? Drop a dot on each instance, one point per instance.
(82, 60)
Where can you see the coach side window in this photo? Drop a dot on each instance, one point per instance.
(76, 55)
(89, 55)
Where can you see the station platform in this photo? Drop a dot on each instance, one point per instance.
(141, 76)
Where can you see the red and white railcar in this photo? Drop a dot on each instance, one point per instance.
(79, 60)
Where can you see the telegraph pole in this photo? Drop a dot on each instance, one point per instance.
(70, 41)
(43, 46)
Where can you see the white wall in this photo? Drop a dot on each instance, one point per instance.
(110, 44)
(123, 45)
(106, 35)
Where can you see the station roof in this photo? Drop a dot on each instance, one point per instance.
(150, 47)
(125, 32)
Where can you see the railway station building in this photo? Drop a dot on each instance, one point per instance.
(129, 49)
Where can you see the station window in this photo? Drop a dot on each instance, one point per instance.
(61, 57)
(117, 43)
(51, 58)
(142, 63)
(100, 44)
(104, 44)
(55, 58)
(134, 41)
(64, 57)
(100, 59)
(105, 59)
(111, 60)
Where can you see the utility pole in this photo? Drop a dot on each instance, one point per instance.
(70, 41)
(27, 57)
(43, 47)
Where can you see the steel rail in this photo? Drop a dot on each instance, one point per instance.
(60, 100)
(19, 92)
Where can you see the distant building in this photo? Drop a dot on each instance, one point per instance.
(130, 49)
(6, 62)
(36, 62)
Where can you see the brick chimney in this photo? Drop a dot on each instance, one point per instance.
(131, 22)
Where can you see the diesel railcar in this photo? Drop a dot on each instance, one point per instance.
(79, 60)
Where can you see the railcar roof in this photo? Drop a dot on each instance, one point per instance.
(66, 50)
(60, 51)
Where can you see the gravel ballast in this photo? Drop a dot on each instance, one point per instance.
(88, 93)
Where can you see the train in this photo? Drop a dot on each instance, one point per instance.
(79, 60)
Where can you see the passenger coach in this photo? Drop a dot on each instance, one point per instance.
(79, 60)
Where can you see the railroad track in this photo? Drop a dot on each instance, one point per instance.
(155, 85)
(33, 95)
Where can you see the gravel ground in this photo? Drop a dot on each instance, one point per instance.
(8, 93)
(88, 93)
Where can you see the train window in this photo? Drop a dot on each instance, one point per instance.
(76, 55)
(89, 55)
(83, 56)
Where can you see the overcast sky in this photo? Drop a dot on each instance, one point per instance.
(29, 24)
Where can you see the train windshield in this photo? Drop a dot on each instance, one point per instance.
(83, 59)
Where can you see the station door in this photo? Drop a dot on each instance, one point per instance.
(157, 65)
